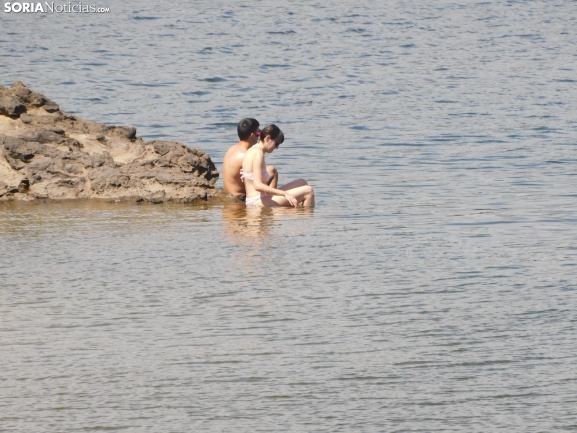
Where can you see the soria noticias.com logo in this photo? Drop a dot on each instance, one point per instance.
(53, 8)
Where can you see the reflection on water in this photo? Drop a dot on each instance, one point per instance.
(253, 225)
(246, 225)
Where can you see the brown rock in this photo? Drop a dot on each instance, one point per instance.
(28, 97)
(26, 118)
(37, 100)
(15, 164)
(48, 136)
(120, 131)
(23, 186)
(20, 91)
(161, 147)
(51, 107)
(10, 106)
(40, 164)
(20, 149)
(3, 188)
(51, 154)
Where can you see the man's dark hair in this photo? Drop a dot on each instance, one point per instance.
(246, 127)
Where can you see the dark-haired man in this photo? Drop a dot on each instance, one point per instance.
(248, 132)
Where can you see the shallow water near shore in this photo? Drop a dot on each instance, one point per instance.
(432, 288)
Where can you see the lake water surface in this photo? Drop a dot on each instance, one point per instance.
(432, 288)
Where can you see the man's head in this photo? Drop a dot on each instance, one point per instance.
(248, 130)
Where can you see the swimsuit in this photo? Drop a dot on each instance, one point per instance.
(265, 176)
(249, 202)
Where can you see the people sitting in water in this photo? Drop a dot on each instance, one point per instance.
(248, 131)
(254, 173)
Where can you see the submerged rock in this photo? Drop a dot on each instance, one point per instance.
(46, 153)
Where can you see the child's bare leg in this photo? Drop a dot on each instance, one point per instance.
(294, 184)
(309, 200)
(304, 194)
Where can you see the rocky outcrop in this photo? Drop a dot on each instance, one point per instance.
(46, 153)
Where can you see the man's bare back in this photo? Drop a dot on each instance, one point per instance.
(231, 166)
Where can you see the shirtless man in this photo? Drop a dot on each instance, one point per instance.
(248, 133)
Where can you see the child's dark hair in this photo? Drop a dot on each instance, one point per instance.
(246, 127)
(274, 132)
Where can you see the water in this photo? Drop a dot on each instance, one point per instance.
(432, 288)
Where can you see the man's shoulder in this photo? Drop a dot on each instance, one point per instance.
(235, 152)
(233, 158)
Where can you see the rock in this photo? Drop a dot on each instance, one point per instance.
(15, 164)
(3, 188)
(161, 147)
(10, 106)
(38, 100)
(50, 154)
(21, 91)
(120, 131)
(30, 98)
(41, 164)
(26, 118)
(23, 186)
(20, 149)
(157, 197)
(48, 136)
(51, 107)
